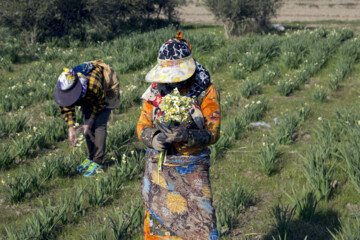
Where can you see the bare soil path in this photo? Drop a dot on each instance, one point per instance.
(292, 10)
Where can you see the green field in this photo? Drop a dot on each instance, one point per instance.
(303, 83)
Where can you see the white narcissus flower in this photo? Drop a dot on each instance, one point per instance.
(177, 118)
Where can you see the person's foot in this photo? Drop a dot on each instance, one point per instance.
(84, 165)
(93, 169)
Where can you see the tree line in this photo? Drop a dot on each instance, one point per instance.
(38, 20)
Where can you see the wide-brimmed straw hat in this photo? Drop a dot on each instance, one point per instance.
(68, 89)
(175, 63)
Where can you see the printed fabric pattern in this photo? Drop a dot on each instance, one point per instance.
(179, 201)
(174, 49)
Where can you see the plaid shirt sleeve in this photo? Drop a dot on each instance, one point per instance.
(68, 114)
(95, 86)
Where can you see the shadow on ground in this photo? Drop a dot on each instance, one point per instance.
(318, 228)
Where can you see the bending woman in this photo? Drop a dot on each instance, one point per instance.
(178, 201)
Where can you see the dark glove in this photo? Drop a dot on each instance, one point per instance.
(160, 142)
(174, 133)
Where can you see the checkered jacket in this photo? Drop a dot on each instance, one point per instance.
(94, 99)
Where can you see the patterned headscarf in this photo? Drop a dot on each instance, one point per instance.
(156, 91)
(82, 70)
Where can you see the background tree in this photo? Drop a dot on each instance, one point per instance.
(41, 19)
(238, 16)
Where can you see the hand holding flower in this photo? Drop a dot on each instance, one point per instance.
(160, 142)
(174, 133)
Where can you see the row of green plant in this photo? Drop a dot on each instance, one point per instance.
(259, 53)
(320, 52)
(21, 95)
(292, 52)
(46, 222)
(232, 202)
(335, 144)
(297, 46)
(31, 181)
(12, 124)
(253, 51)
(304, 208)
(231, 53)
(335, 141)
(120, 134)
(349, 55)
(294, 49)
(284, 133)
(120, 224)
(30, 141)
(233, 126)
(349, 151)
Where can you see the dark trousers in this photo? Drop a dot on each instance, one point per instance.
(96, 139)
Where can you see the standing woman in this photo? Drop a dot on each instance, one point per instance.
(179, 201)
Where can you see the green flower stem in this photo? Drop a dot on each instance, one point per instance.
(162, 157)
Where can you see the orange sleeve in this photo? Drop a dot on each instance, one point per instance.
(145, 129)
(145, 120)
(210, 108)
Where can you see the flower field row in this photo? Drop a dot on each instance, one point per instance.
(29, 142)
(47, 221)
(319, 54)
(333, 150)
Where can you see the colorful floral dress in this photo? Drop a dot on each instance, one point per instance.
(179, 201)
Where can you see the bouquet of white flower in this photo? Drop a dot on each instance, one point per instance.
(174, 109)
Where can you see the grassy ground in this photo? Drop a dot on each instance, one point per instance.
(238, 164)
